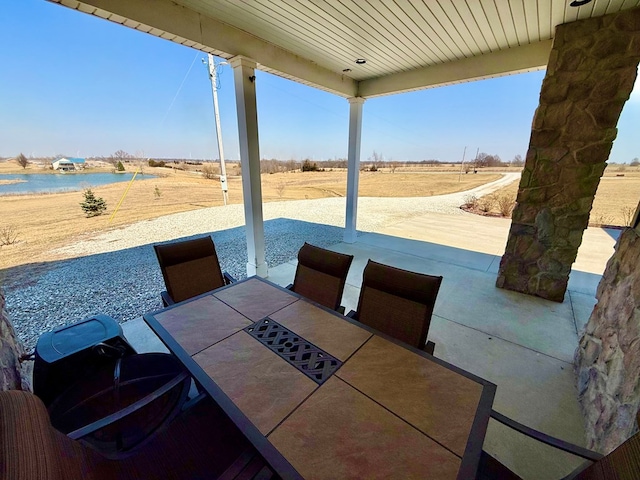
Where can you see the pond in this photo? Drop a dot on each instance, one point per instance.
(58, 182)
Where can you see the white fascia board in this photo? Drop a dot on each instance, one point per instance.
(167, 16)
(504, 62)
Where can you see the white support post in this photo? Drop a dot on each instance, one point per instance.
(244, 80)
(353, 167)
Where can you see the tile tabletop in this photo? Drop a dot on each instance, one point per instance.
(388, 411)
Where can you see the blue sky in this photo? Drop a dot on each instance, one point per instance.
(74, 84)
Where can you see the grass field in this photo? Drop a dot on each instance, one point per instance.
(42, 223)
(45, 222)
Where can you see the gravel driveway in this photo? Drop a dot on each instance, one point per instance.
(116, 273)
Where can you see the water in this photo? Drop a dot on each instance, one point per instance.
(58, 182)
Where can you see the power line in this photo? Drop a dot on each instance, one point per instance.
(179, 89)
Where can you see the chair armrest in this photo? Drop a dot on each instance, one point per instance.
(353, 314)
(166, 299)
(228, 279)
(429, 347)
(549, 440)
(114, 417)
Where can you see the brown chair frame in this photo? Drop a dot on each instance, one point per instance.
(321, 275)
(412, 289)
(190, 268)
(623, 462)
(200, 442)
(106, 393)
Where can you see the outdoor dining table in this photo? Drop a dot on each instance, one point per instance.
(322, 396)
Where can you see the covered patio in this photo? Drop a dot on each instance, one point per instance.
(525, 343)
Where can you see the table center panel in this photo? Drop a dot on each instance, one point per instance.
(314, 362)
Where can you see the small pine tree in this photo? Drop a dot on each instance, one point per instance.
(93, 206)
(120, 167)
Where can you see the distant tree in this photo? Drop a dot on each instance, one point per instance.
(517, 161)
(22, 161)
(376, 160)
(486, 160)
(139, 158)
(119, 156)
(209, 171)
(635, 162)
(92, 205)
(156, 163)
(120, 167)
(308, 166)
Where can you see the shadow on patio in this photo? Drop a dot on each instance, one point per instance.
(523, 344)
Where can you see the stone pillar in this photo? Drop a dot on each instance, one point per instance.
(10, 351)
(590, 75)
(607, 360)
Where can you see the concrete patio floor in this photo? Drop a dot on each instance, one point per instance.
(525, 345)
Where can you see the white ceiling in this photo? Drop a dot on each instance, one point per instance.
(407, 44)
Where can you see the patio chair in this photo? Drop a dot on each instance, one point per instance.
(321, 275)
(621, 464)
(190, 268)
(121, 406)
(199, 443)
(398, 303)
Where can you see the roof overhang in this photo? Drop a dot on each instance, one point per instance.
(407, 45)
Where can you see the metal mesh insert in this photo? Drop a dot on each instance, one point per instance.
(314, 362)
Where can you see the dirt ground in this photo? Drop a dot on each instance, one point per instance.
(44, 222)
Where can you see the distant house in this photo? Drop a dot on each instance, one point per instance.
(68, 164)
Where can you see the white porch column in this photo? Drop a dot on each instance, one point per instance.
(244, 80)
(353, 164)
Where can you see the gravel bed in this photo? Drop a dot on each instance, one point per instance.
(116, 273)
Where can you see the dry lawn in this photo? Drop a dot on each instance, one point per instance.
(616, 199)
(45, 222)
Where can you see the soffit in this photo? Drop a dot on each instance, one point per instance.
(407, 44)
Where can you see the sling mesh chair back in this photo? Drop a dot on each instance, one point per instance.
(623, 463)
(398, 302)
(321, 275)
(189, 268)
(119, 408)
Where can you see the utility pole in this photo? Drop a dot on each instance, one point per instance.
(461, 165)
(475, 162)
(214, 87)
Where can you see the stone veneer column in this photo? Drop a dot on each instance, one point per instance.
(607, 361)
(10, 351)
(591, 72)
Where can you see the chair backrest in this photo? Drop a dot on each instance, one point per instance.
(321, 275)
(621, 464)
(190, 267)
(398, 302)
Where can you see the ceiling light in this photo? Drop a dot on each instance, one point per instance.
(579, 3)
(361, 61)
